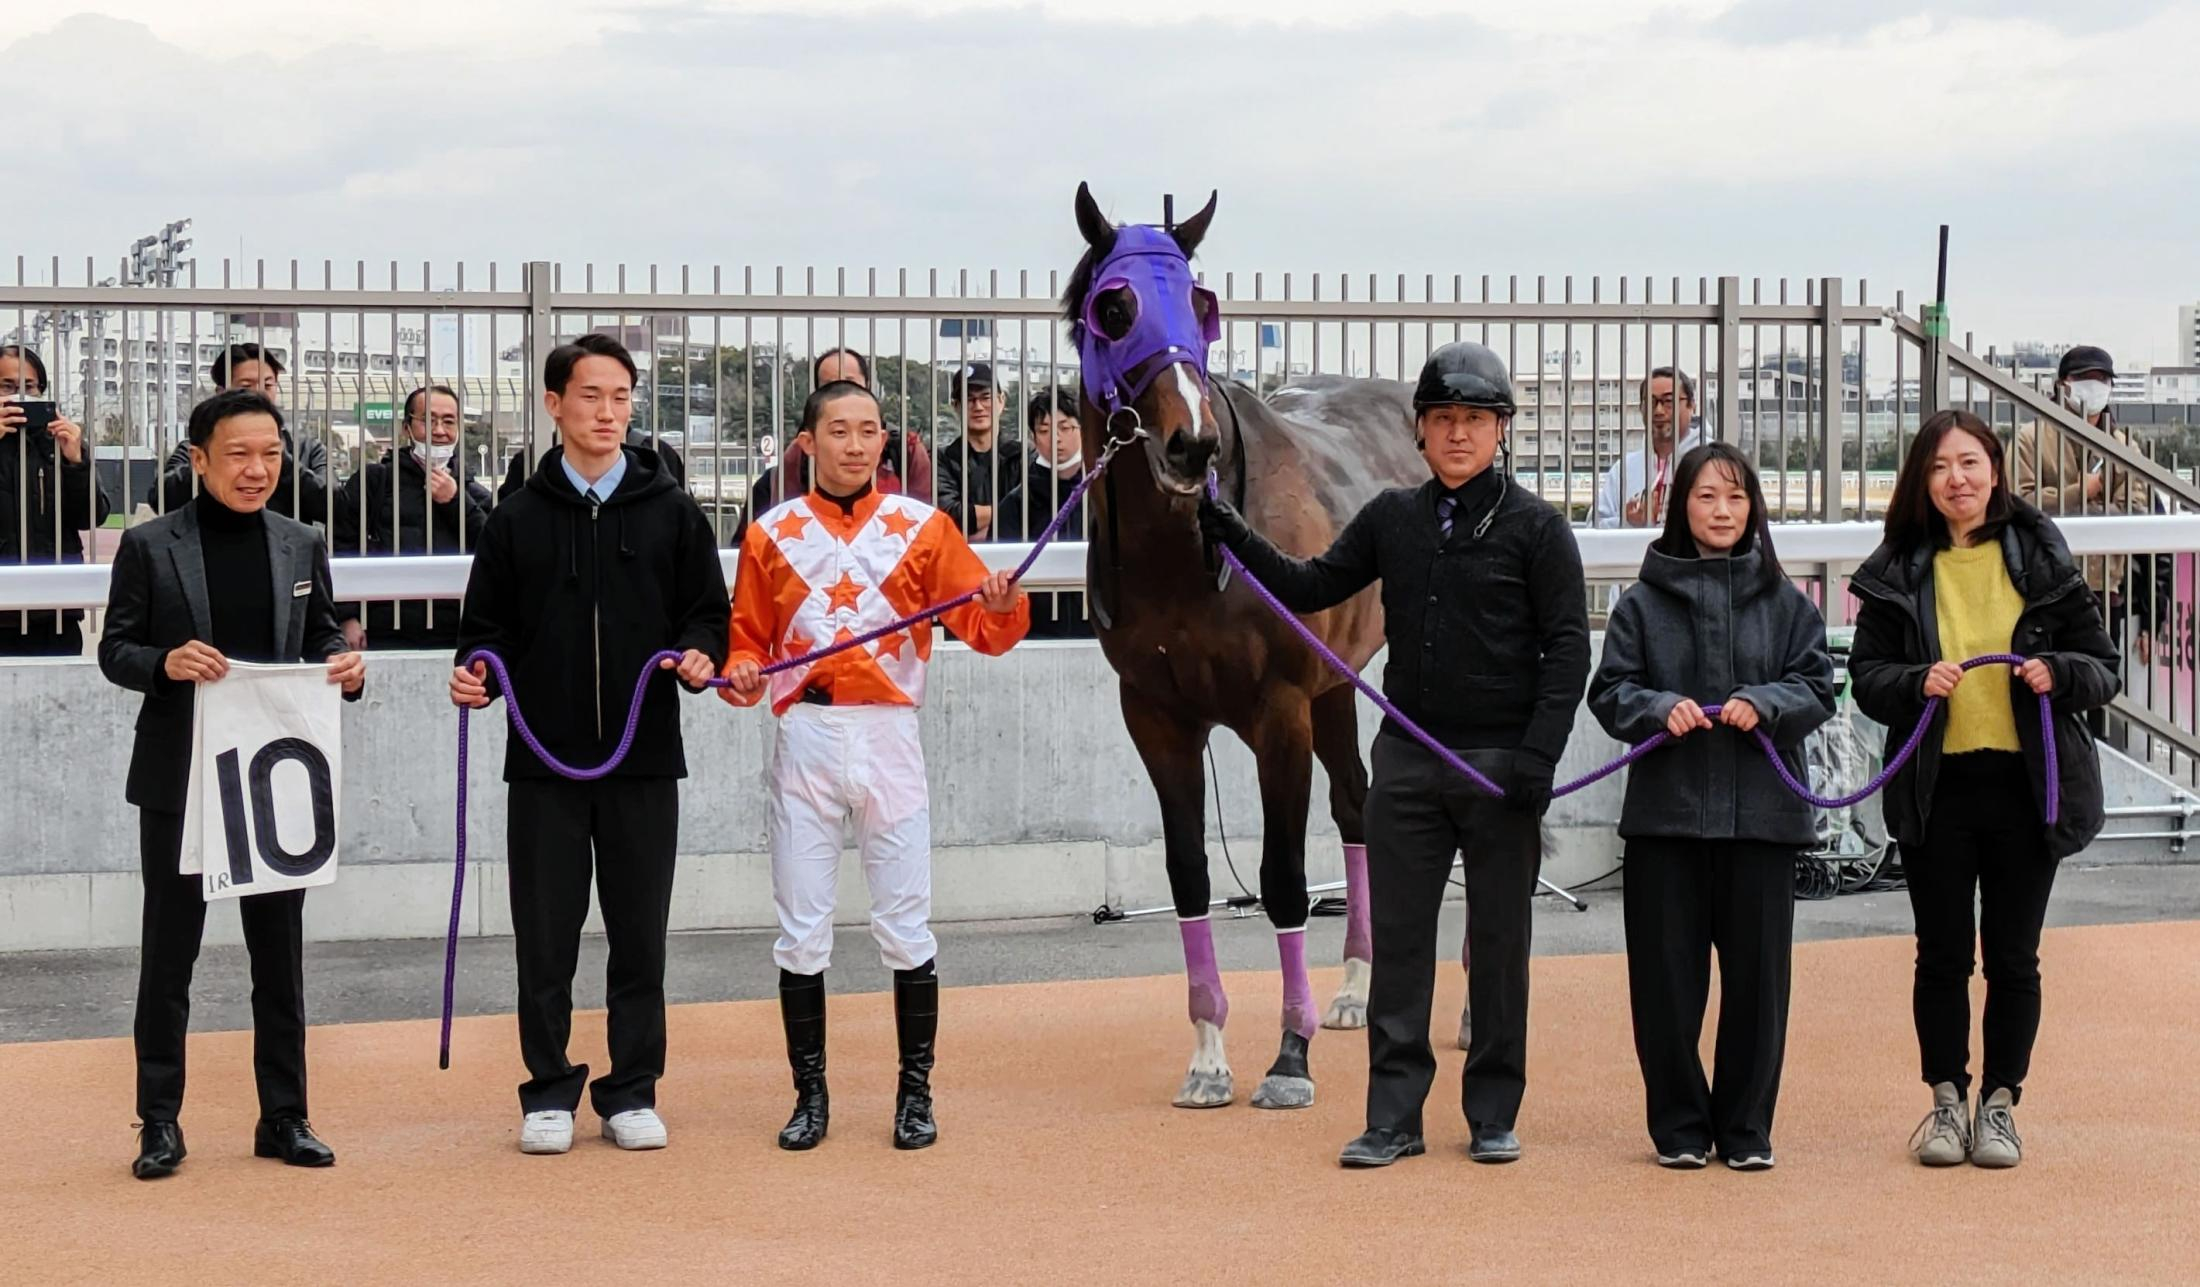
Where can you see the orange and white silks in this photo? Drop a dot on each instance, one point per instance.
(811, 574)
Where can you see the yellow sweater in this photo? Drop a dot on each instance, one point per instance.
(1978, 608)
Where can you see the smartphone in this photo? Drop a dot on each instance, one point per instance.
(38, 416)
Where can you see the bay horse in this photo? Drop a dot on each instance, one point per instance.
(1191, 653)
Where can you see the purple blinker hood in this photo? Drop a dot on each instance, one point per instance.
(1168, 329)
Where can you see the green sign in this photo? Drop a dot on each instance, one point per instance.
(377, 415)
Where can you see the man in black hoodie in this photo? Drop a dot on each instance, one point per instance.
(1484, 614)
(600, 561)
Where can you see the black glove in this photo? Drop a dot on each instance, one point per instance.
(1528, 786)
(1221, 524)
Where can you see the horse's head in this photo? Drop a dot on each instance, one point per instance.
(1142, 325)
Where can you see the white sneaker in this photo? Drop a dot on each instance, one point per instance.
(636, 1128)
(550, 1131)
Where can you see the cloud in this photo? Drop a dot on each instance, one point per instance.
(1414, 138)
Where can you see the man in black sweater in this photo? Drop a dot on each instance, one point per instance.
(599, 562)
(221, 579)
(1487, 626)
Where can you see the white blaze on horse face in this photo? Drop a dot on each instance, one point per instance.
(1188, 389)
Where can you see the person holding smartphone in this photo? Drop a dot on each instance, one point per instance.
(48, 499)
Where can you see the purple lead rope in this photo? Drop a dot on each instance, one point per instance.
(1640, 749)
(634, 715)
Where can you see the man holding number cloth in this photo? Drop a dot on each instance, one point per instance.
(219, 579)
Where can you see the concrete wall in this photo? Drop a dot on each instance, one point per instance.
(1039, 805)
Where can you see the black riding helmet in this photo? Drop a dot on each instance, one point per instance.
(1464, 374)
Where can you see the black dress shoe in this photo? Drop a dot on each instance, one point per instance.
(160, 1150)
(1380, 1146)
(1494, 1144)
(292, 1140)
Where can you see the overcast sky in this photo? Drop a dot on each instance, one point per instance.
(1693, 137)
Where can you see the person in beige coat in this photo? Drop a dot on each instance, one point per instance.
(2057, 472)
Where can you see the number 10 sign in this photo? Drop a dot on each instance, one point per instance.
(260, 814)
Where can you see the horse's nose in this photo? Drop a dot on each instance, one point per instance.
(1188, 456)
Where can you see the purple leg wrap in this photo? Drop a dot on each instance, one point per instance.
(1200, 971)
(1358, 942)
(1298, 995)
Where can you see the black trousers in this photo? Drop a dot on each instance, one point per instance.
(1977, 845)
(174, 919)
(1685, 899)
(626, 829)
(1420, 813)
(44, 637)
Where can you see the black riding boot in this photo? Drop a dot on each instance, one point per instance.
(916, 1024)
(802, 1013)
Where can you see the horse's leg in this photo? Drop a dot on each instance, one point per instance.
(1170, 746)
(1337, 743)
(1283, 743)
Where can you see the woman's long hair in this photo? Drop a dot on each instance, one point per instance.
(1912, 518)
(1680, 543)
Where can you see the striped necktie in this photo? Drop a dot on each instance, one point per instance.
(1444, 507)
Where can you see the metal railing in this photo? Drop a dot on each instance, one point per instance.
(1823, 387)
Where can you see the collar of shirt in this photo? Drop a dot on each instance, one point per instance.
(604, 486)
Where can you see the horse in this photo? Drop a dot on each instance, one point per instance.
(1192, 652)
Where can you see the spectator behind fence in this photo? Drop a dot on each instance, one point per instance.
(210, 583)
(302, 490)
(976, 467)
(904, 469)
(47, 499)
(1634, 490)
(1055, 464)
(423, 516)
(2057, 472)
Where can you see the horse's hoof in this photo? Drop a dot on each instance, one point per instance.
(1349, 1010)
(1346, 1013)
(1466, 1029)
(1205, 1090)
(1284, 1092)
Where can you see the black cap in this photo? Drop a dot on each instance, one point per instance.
(1464, 374)
(2085, 357)
(978, 375)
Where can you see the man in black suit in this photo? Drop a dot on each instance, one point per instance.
(219, 578)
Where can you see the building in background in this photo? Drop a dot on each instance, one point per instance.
(2187, 350)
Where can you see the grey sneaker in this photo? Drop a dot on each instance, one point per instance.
(1944, 1137)
(1994, 1141)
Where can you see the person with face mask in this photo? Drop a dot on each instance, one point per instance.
(410, 503)
(2059, 474)
(1053, 465)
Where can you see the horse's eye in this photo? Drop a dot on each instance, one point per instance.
(1117, 310)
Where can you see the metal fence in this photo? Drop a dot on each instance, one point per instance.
(1821, 385)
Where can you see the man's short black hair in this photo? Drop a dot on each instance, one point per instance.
(237, 355)
(559, 369)
(813, 408)
(863, 363)
(208, 415)
(30, 359)
(412, 400)
(1050, 402)
(1688, 385)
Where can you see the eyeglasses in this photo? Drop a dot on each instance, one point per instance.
(19, 389)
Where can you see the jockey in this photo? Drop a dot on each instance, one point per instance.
(1483, 611)
(828, 566)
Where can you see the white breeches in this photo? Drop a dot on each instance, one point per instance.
(843, 766)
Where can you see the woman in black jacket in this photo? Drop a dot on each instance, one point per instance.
(1711, 830)
(48, 497)
(1968, 569)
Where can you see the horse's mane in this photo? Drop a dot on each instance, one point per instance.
(1073, 295)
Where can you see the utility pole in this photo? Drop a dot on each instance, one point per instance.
(154, 260)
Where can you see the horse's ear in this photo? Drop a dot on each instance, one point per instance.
(1192, 231)
(1099, 233)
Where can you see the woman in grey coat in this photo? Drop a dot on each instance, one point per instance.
(1711, 830)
